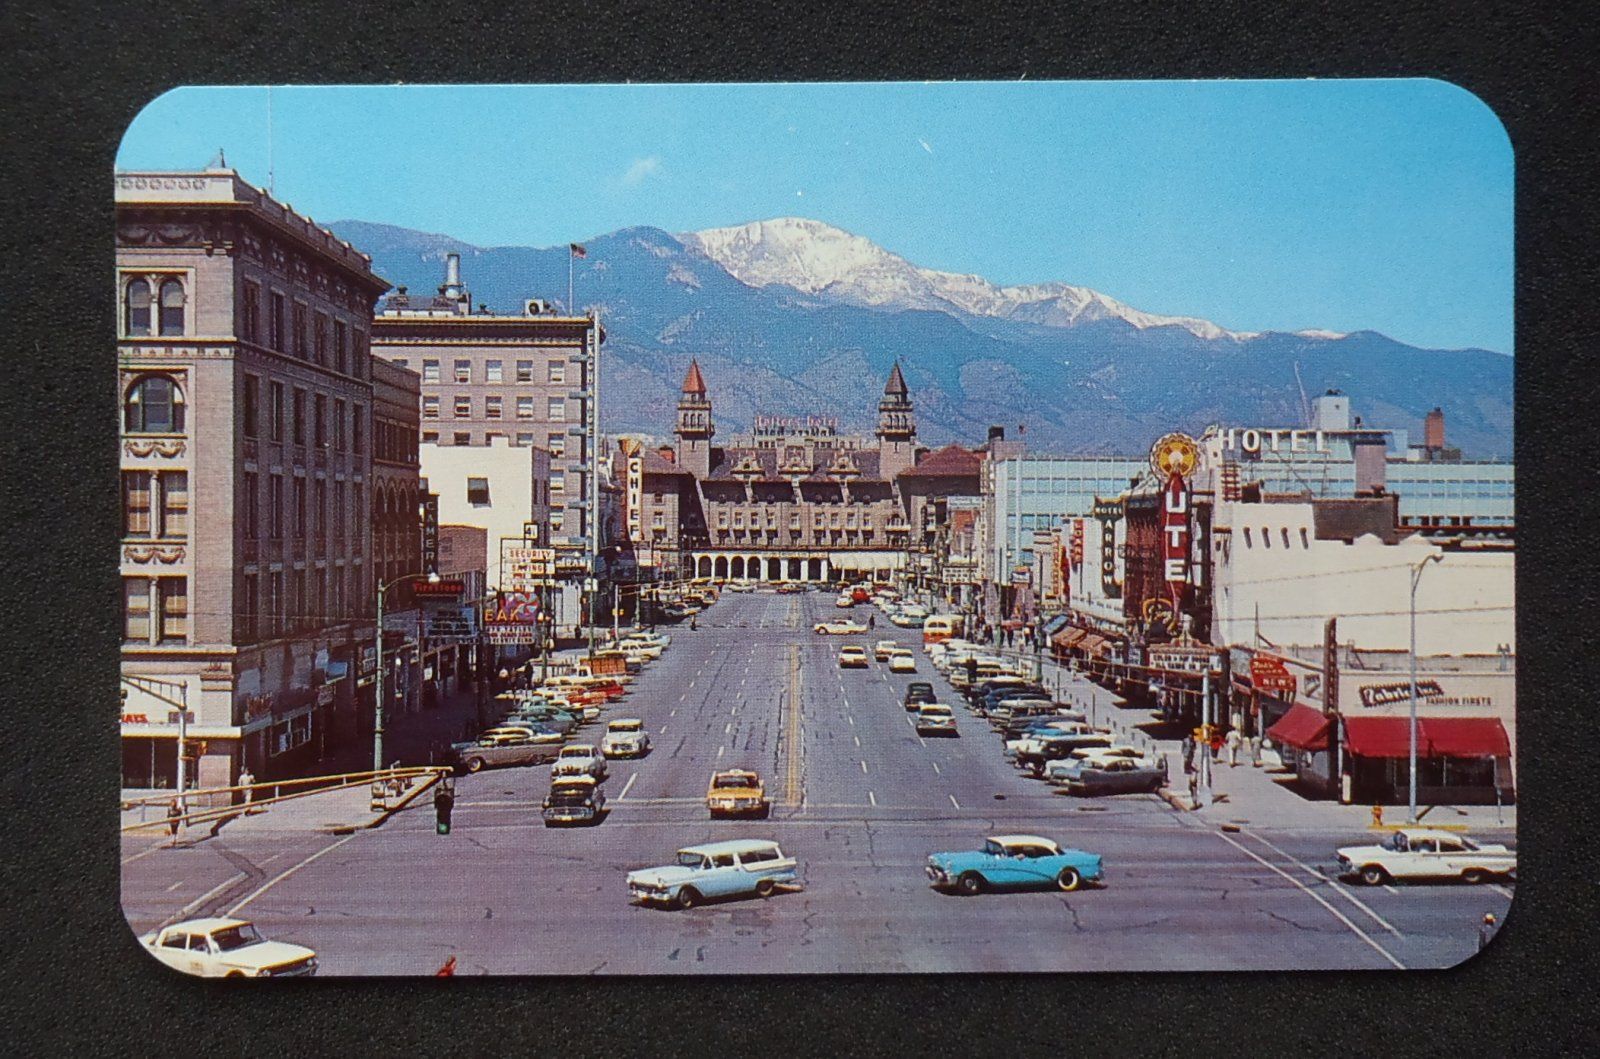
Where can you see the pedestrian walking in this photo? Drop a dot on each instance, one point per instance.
(872, 621)
(1188, 746)
(448, 970)
(1216, 743)
(1233, 742)
(246, 779)
(1255, 751)
(1194, 787)
(972, 670)
(174, 814)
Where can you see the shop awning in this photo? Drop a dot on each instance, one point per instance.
(1093, 644)
(1381, 737)
(1302, 727)
(1068, 637)
(1465, 737)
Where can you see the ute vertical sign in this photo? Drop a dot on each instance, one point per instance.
(1175, 539)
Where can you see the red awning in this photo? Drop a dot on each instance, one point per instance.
(1381, 737)
(1093, 644)
(1068, 637)
(1302, 728)
(1465, 736)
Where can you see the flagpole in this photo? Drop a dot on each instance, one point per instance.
(570, 255)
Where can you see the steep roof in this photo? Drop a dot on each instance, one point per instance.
(950, 461)
(896, 385)
(693, 382)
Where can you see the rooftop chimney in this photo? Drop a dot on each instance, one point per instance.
(997, 433)
(1433, 430)
(452, 276)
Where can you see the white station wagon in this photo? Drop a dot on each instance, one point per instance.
(1428, 853)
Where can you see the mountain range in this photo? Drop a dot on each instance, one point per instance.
(793, 316)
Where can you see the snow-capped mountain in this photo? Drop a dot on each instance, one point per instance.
(817, 258)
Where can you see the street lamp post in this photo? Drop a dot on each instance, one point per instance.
(1416, 577)
(432, 578)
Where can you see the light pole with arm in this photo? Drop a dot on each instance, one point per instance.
(1416, 577)
(432, 577)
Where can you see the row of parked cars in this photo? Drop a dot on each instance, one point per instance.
(1040, 736)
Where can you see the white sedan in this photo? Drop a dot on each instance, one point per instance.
(838, 627)
(227, 948)
(1428, 853)
(902, 662)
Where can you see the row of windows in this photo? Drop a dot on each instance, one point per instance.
(309, 509)
(303, 333)
(283, 602)
(494, 408)
(155, 505)
(555, 444)
(287, 417)
(555, 371)
(155, 610)
(153, 305)
(1283, 536)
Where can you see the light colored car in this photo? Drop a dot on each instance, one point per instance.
(852, 657)
(643, 650)
(227, 948)
(1428, 853)
(579, 759)
(625, 737)
(1014, 861)
(716, 869)
(838, 627)
(935, 718)
(884, 648)
(902, 661)
(737, 792)
(844, 601)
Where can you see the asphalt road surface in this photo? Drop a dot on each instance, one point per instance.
(860, 800)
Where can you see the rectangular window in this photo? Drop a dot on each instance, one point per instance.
(248, 501)
(252, 405)
(275, 506)
(252, 312)
(358, 353)
(248, 608)
(319, 523)
(477, 490)
(321, 328)
(174, 504)
(525, 438)
(431, 437)
(463, 371)
(341, 347)
(136, 609)
(300, 507)
(275, 323)
(338, 515)
(358, 429)
(463, 406)
(557, 410)
(274, 604)
(494, 371)
(524, 407)
(174, 594)
(558, 481)
(298, 428)
(492, 436)
(556, 371)
(297, 600)
(524, 371)
(319, 614)
(319, 421)
(338, 425)
(462, 437)
(357, 521)
(136, 504)
(275, 410)
(301, 346)
(491, 407)
(430, 371)
(430, 408)
(557, 444)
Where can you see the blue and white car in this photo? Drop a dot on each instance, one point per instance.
(716, 869)
(1014, 862)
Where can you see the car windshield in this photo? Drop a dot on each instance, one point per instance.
(577, 751)
(572, 797)
(936, 711)
(237, 937)
(626, 726)
(735, 781)
(692, 860)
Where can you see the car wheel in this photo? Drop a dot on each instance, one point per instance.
(1069, 880)
(1474, 876)
(475, 765)
(234, 974)
(688, 897)
(765, 811)
(1037, 770)
(970, 883)
(765, 887)
(1374, 875)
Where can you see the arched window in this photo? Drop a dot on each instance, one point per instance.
(172, 302)
(154, 406)
(136, 308)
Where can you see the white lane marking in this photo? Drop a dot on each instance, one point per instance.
(857, 738)
(268, 860)
(721, 750)
(863, 768)
(954, 802)
(158, 847)
(1501, 890)
(674, 713)
(276, 879)
(188, 909)
(627, 786)
(851, 718)
(1340, 890)
(691, 684)
(1391, 889)
(662, 730)
(935, 766)
(685, 695)
(911, 724)
(873, 798)
(1318, 898)
(174, 886)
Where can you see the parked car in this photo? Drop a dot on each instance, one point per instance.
(737, 792)
(221, 947)
(716, 869)
(838, 627)
(1014, 861)
(573, 800)
(935, 718)
(625, 737)
(918, 692)
(1110, 774)
(579, 759)
(852, 657)
(884, 648)
(844, 602)
(902, 661)
(497, 752)
(1428, 853)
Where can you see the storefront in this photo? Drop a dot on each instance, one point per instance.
(1460, 760)
(1303, 737)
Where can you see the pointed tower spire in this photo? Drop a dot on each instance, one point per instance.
(897, 427)
(693, 382)
(897, 383)
(694, 428)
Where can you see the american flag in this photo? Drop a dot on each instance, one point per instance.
(577, 250)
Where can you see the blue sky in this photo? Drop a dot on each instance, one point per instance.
(1283, 205)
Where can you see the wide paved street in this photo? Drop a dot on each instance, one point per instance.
(860, 800)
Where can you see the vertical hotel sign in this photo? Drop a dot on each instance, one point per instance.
(1175, 457)
(1108, 513)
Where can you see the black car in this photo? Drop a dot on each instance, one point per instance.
(999, 696)
(917, 693)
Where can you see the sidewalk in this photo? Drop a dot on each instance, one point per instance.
(1250, 794)
(409, 738)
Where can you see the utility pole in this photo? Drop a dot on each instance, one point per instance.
(616, 609)
(1416, 577)
(1203, 792)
